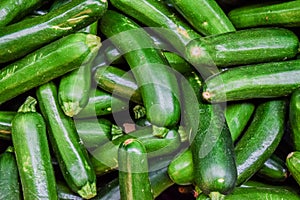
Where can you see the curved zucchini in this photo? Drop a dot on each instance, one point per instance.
(9, 176)
(206, 16)
(33, 158)
(5, 124)
(50, 61)
(156, 81)
(134, 180)
(266, 80)
(261, 138)
(68, 149)
(294, 117)
(63, 21)
(282, 14)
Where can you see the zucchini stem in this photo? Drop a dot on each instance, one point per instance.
(28, 105)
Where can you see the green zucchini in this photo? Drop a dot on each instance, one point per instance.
(102, 103)
(159, 88)
(237, 116)
(165, 22)
(282, 14)
(69, 18)
(32, 152)
(72, 156)
(104, 158)
(5, 124)
(292, 163)
(294, 117)
(260, 139)
(50, 61)
(9, 176)
(118, 82)
(266, 80)
(134, 180)
(273, 170)
(11, 11)
(207, 17)
(242, 47)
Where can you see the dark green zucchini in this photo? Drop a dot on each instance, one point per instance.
(134, 180)
(156, 81)
(206, 16)
(71, 154)
(102, 103)
(260, 139)
(67, 19)
(32, 152)
(294, 117)
(5, 124)
(165, 22)
(280, 14)
(266, 80)
(292, 163)
(9, 176)
(50, 61)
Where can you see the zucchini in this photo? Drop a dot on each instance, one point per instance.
(32, 152)
(207, 17)
(9, 176)
(104, 158)
(11, 10)
(102, 103)
(280, 14)
(294, 117)
(260, 139)
(266, 80)
(51, 61)
(292, 163)
(134, 180)
(162, 19)
(159, 89)
(242, 47)
(63, 21)
(68, 149)
(177, 62)
(5, 124)
(65, 193)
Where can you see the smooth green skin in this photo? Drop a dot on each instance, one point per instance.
(156, 81)
(9, 176)
(102, 103)
(70, 152)
(104, 158)
(206, 16)
(134, 180)
(11, 10)
(294, 119)
(74, 87)
(168, 24)
(260, 139)
(283, 14)
(243, 47)
(38, 31)
(50, 61)
(118, 82)
(292, 163)
(33, 158)
(266, 80)
(274, 170)
(237, 115)
(5, 124)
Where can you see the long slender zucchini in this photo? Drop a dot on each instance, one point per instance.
(294, 117)
(9, 176)
(165, 22)
(72, 156)
(261, 138)
(241, 47)
(5, 124)
(69, 18)
(206, 16)
(282, 14)
(32, 153)
(133, 171)
(157, 83)
(45, 64)
(265, 80)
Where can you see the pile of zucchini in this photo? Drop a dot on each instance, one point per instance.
(149, 99)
